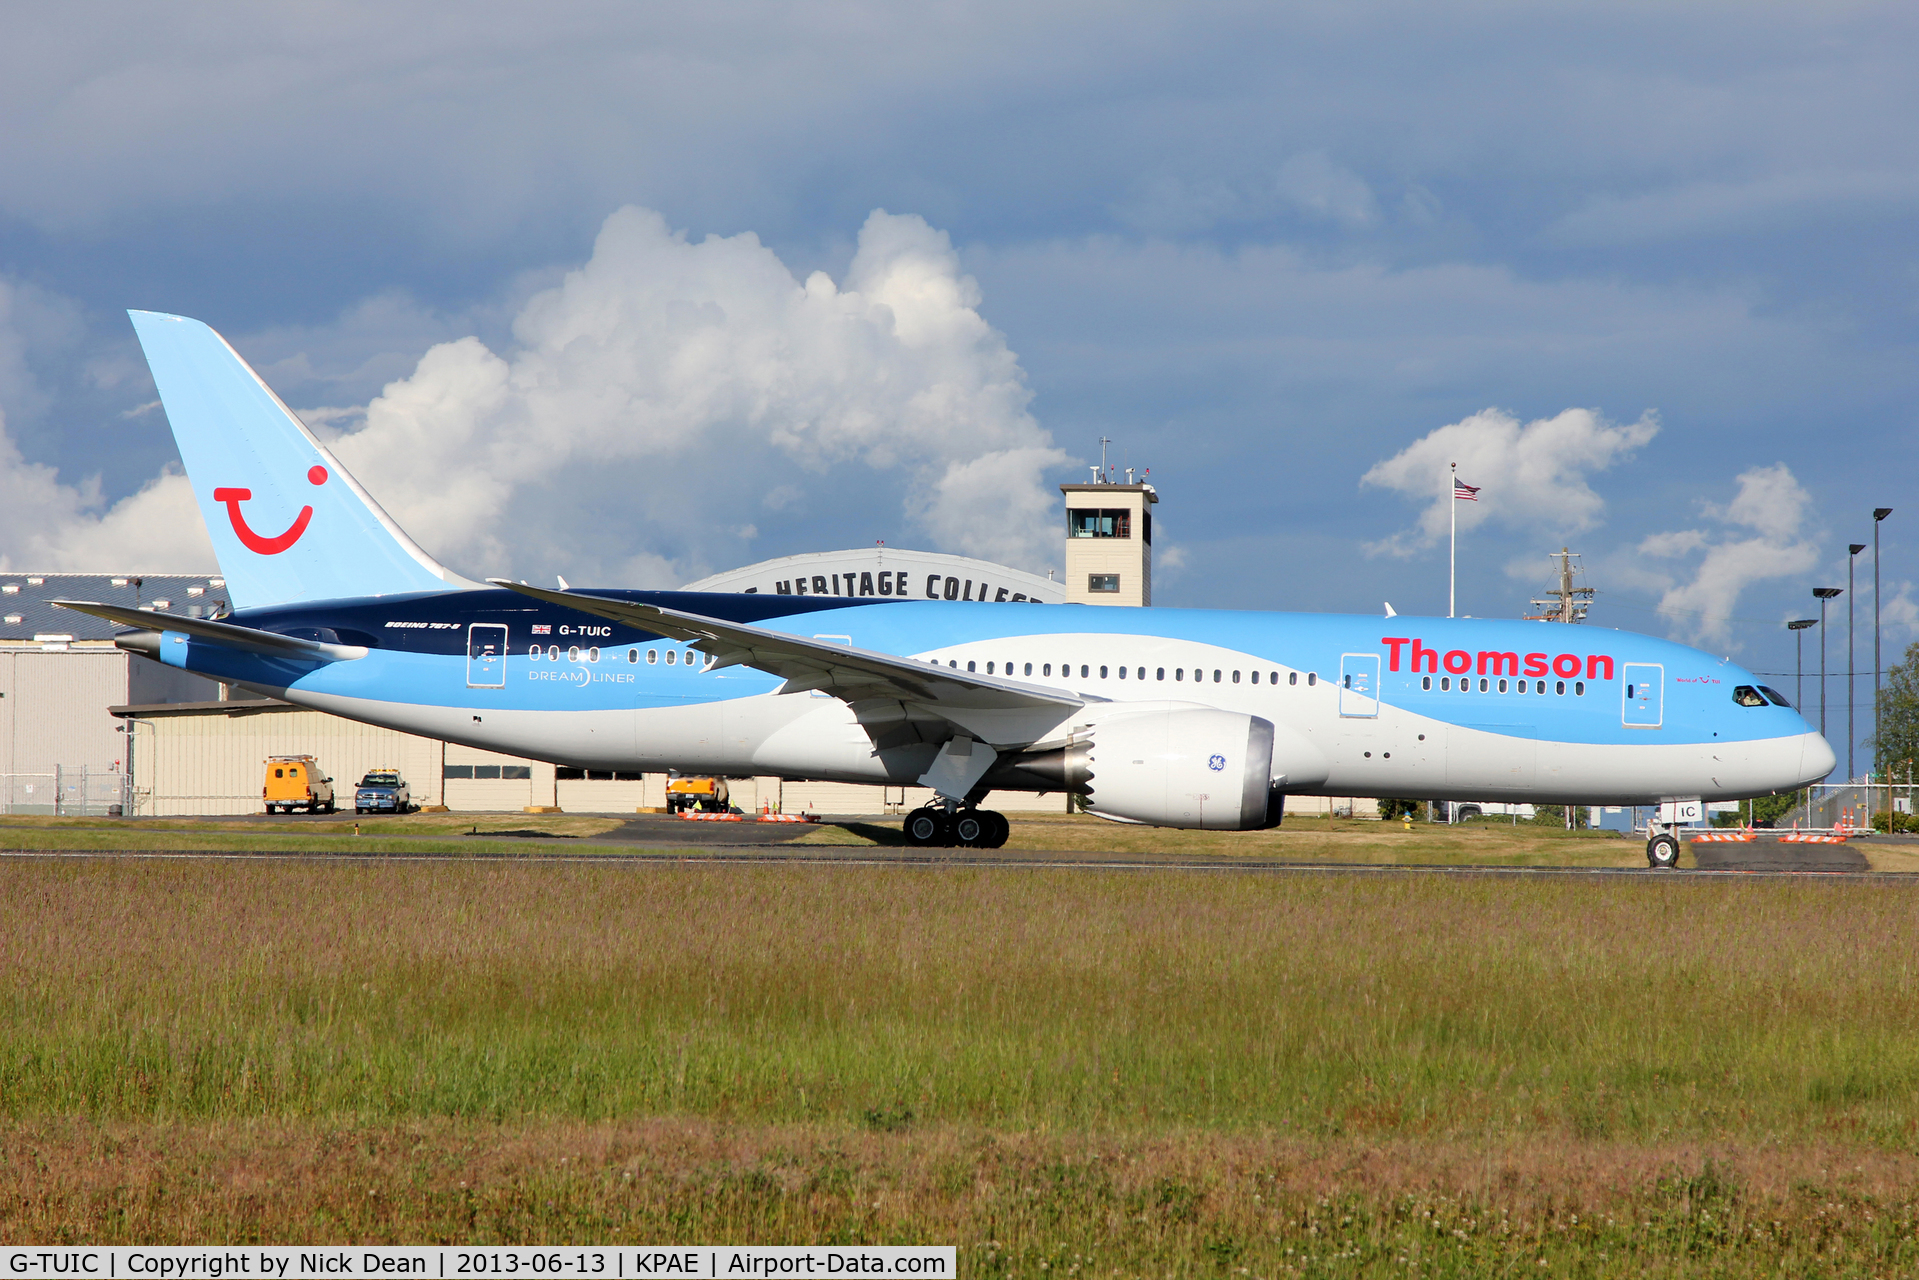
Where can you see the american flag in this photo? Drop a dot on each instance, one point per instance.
(1465, 492)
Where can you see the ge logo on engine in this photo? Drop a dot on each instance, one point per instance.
(1216, 763)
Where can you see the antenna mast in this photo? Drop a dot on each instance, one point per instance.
(1566, 603)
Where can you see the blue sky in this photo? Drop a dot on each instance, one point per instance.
(1269, 250)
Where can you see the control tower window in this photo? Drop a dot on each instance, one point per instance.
(1089, 523)
(1102, 582)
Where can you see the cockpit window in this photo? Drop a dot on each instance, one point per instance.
(1747, 696)
(1778, 698)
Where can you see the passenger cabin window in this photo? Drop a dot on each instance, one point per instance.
(1292, 677)
(1091, 523)
(1312, 678)
(1425, 682)
(1747, 696)
(671, 657)
(1083, 672)
(1102, 673)
(652, 656)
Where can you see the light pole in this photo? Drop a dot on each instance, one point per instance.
(1852, 558)
(1798, 628)
(1878, 514)
(1824, 594)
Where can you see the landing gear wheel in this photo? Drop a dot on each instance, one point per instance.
(924, 828)
(1662, 852)
(972, 829)
(1001, 828)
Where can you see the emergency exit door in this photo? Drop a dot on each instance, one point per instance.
(1644, 694)
(486, 656)
(1359, 684)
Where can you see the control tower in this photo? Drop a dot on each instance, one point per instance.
(1109, 543)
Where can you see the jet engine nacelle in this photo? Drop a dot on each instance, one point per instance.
(1190, 766)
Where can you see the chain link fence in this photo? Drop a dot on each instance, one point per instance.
(69, 791)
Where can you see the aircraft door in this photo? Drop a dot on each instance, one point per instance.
(1644, 693)
(486, 656)
(1359, 684)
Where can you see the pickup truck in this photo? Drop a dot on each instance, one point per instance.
(382, 791)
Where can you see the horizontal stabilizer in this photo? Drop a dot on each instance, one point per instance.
(246, 639)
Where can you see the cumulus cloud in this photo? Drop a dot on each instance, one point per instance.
(668, 393)
(47, 525)
(1761, 534)
(50, 525)
(649, 415)
(1530, 475)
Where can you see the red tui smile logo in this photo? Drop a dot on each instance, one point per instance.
(255, 542)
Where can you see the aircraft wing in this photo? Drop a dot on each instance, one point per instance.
(889, 694)
(232, 635)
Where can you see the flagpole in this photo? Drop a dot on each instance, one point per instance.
(1452, 558)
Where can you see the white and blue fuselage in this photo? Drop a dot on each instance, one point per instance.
(1418, 707)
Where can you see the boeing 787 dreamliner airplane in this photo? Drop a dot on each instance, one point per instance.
(1172, 717)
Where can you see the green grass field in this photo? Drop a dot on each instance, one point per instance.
(1140, 1072)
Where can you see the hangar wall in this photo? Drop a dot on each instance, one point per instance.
(205, 758)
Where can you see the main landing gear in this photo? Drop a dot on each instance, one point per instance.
(969, 828)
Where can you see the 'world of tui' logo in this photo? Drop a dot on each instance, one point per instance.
(261, 544)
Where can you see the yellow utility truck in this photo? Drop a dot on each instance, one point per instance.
(296, 782)
(708, 795)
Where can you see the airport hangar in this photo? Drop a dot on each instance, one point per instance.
(86, 728)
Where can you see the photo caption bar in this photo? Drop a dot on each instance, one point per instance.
(569, 1262)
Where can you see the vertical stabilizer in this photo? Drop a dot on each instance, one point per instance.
(287, 522)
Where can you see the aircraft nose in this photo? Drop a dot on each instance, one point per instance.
(1816, 757)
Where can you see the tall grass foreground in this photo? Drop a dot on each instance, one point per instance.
(1413, 1006)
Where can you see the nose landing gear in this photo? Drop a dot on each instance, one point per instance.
(1662, 850)
(968, 828)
